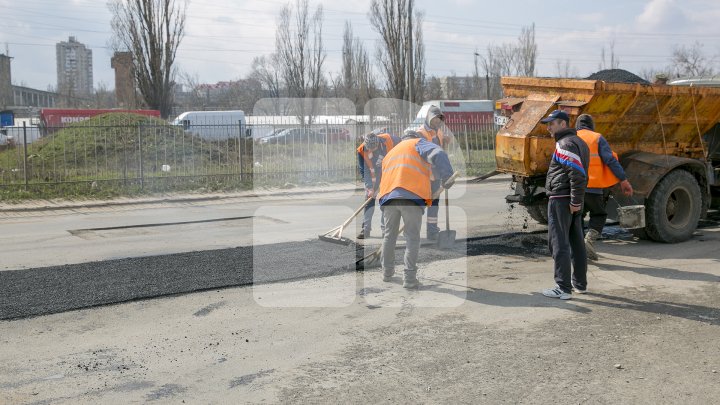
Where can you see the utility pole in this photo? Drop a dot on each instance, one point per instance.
(411, 73)
(476, 79)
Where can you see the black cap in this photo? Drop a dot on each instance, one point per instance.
(585, 121)
(556, 115)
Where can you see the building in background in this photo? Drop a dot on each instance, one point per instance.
(19, 98)
(6, 93)
(125, 89)
(74, 70)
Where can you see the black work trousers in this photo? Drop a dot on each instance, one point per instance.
(567, 245)
(596, 205)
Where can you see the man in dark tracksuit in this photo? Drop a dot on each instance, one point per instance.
(565, 185)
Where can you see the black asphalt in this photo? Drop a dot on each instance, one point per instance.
(47, 290)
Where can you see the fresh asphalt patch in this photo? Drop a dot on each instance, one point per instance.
(47, 290)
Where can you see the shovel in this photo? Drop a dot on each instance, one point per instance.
(446, 238)
(335, 235)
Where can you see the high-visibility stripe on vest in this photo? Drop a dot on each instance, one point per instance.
(367, 155)
(403, 167)
(429, 134)
(599, 174)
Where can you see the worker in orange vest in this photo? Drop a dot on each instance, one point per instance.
(433, 131)
(370, 153)
(604, 172)
(404, 193)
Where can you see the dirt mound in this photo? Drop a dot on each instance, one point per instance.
(617, 76)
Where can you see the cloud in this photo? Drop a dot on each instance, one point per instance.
(665, 15)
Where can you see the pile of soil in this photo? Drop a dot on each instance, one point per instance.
(617, 76)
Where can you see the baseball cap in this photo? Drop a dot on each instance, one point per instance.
(556, 115)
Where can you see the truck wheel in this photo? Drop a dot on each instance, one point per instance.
(539, 211)
(673, 208)
(640, 233)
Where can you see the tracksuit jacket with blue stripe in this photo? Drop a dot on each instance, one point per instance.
(567, 174)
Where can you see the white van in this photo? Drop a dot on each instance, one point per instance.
(213, 125)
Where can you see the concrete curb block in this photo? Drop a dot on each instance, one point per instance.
(43, 205)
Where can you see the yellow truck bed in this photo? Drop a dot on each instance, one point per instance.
(662, 119)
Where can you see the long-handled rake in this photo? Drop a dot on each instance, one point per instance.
(335, 235)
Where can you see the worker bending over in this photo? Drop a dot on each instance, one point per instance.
(404, 193)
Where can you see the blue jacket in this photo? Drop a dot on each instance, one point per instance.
(376, 160)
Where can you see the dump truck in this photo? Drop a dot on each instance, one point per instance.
(667, 139)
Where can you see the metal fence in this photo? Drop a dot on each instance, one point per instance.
(153, 155)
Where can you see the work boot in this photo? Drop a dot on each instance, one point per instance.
(364, 234)
(388, 274)
(410, 280)
(590, 238)
(432, 231)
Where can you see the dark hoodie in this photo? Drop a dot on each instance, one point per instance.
(567, 174)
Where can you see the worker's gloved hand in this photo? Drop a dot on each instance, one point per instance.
(626, 188)
(449, 183)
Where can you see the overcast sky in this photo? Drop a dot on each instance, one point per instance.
(223, 36)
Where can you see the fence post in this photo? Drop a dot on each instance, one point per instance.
(241, 146)
(327, 149)
(140, 157)
(25, 155)
(467, 146)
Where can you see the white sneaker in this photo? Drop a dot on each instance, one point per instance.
(579, 291)
(556, 293)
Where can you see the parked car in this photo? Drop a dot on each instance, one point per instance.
(294, 135)
(268, 135)
(335, 134)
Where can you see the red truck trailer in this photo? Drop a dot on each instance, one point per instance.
(53, 119)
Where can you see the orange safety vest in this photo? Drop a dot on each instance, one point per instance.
(367, 155)
(599, 174)
(404, 168)
(429, 134)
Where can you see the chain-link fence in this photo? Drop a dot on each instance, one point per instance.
(142, 153)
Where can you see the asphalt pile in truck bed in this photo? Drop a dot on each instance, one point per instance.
(617, 76)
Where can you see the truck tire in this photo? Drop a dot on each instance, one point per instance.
(539, 211)
(640, 233)
(673, 208)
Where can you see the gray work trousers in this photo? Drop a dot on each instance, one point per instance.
(567, 245)
(411, 215)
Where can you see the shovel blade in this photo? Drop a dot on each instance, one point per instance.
(446, 239)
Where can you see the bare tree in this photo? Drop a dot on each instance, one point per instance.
(614, 62)
(392, 20)
(266, 70)
(103, 98)
(152, 31)
(564, 68)
(433, 89)
(356, 83)
(300, 53)
(691, 61)
(527, 51)
(510, 60)
(193, 96)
